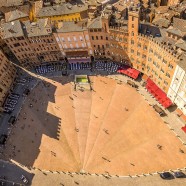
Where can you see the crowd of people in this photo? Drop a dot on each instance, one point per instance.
(79, 66)
(11, 102)
(42, 69)
(108, 66)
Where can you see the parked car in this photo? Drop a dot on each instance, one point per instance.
(24, 179)
(166, 175)
(179, 174)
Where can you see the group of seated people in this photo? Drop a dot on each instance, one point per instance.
(107, 66)
(11, 102)
(42, 69)
(79, 66)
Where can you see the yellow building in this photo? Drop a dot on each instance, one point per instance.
(65, 12)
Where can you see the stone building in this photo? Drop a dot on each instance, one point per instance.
(31, 43)
(7, 77)
(99, 36)
(177, 89)
(73, 40)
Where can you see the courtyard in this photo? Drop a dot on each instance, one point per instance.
(109, 129)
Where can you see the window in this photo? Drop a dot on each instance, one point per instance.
(132, 18)
(170, 66)
(69, 39)
(139, 45)
(81, 38)
(132, 42)
(144, 56)
(96, 37)
(83, 45)
(92, 37)
(162, 70)
(132, 51)
(132, 33)
(106, 38)
(165, 82)
(164, 61)
(16, 45)
(75, 38)
(144, 47)
(71, 46)
(138, 54)
(150, 50)
(62, 39)
(132, 25)
(87, 37)
(101, 37)
(167, 74)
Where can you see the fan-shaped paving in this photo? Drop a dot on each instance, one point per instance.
(110, 129)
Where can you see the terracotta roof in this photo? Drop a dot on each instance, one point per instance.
(11, 3)
(179, 24)
(181, 44)
(175, 31)
(161, 22)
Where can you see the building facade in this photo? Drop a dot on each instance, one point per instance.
(32, 43)
(73, 40)
(7, 77)
(177, 89)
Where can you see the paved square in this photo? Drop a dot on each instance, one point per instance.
(110, 129)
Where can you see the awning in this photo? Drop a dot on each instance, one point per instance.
(78, 60)
(131, 72)
(184, 129)
(159, 94)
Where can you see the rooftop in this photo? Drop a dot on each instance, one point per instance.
(20, 12)
(61, 10)
(39, 28)
(179, 24)
(175, 31)
(12, 29)
(96, 23)
(11, 3)
(72, 27)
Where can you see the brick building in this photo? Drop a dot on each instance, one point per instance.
(73, 40)
(7, 76)
(31, 43)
